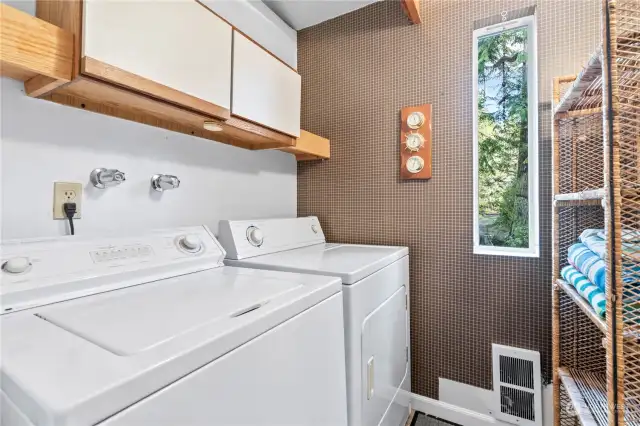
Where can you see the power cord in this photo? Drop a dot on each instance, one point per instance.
(69, 211)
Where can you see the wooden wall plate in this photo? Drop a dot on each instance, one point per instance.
(424, 152)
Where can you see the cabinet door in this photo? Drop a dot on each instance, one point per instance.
(265, 90)
(177, 51)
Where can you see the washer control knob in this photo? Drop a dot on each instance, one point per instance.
(314, 228)
(255, 236)
(191, 243)
(17, 265)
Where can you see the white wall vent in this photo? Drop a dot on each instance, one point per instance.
(517, 386)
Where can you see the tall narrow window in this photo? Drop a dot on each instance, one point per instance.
(505, 128)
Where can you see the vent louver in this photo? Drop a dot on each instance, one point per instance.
(517, 386)
(515, 371)
(515, 402)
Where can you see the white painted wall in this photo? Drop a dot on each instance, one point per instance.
(27, 6)
(259, 22)
(479, 400)
(42, 142)
(301, 14)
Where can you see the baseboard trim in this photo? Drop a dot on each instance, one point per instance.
(451, 413)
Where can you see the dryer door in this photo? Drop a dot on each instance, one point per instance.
(384, 356)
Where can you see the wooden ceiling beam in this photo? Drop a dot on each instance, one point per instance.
(412, 10)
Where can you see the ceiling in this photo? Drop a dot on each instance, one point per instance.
(301, 14)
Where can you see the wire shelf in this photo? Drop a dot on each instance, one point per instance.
(586, 90)
(629, 333)
(588, 394)
(580, 141)
(583, 198)
(582, 304)
(584, 95)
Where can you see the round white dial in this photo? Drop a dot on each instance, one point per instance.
(17, 265)
(314, 228)
(415, 120)
(191, 243)
(255, 236)
(415, 164)
(414, 141)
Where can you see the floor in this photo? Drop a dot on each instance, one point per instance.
(420, 419)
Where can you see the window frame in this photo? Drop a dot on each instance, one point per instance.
(532, 139)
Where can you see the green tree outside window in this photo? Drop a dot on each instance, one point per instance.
(503, 139)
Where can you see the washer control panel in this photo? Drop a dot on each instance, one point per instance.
(37, 271)
(247, 238)
(121, 253)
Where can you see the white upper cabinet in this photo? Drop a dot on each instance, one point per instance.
(265, 90)
(261, 24)
(181, 50)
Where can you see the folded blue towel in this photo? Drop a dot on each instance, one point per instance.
(594, 242)
(589, 259)
(586, 289)
(588, 263)
(628, 235)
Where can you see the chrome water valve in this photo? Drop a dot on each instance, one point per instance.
(163, 182)
(103, 178)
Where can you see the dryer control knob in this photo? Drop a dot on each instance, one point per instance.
(190, 243)
(314, 228)
(17, 265)
(255, 236)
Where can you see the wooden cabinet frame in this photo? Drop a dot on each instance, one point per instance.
(52, 69)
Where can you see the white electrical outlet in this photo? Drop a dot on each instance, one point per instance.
(66, 192)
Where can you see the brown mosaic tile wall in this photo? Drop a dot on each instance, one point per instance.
(358, 70)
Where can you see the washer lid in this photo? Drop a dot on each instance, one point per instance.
(88, 358)
(128, 323)
(350, 262)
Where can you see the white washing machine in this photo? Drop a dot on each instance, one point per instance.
(154, 330)
(375, 288)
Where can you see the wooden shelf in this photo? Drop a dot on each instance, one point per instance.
(588, 394)
(585, 93)
(33, 50)
(589, 198)
(103, 98)
(310, 147)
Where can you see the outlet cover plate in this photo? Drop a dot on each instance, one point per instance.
(66, 192)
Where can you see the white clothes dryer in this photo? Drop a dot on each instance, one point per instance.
(375, 284)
